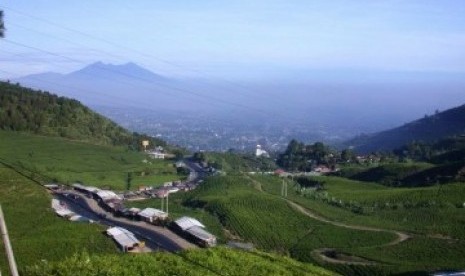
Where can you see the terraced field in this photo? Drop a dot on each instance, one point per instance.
(435, 230)
(69, 161)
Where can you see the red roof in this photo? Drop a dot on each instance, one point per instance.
(279, 171)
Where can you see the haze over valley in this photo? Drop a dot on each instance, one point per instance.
(219, 115)
(265, 137)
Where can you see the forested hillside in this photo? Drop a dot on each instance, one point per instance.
(24, 109)
(430, 128)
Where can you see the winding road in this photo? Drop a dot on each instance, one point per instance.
(156, 238)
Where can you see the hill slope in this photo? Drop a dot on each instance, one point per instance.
(24, 109)
(217, 261)
(435, 127)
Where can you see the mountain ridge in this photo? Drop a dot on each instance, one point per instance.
(427, 129)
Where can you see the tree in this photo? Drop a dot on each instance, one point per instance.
(2, 26)
(347, 155)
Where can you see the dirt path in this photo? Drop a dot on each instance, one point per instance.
(325, 253)
(401, 236)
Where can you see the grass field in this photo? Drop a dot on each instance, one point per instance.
(36, 233)
(72, 161)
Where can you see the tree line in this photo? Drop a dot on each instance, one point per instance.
(24, 109)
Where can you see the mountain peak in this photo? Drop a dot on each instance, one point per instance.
(110, 71)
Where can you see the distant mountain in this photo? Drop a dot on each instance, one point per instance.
(430, 128)
(129, 71)
(27, 110)
(125, 85)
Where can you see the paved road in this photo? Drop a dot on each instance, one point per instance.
(155, 237)
(196, 172)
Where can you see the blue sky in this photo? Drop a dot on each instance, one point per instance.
(235, 39)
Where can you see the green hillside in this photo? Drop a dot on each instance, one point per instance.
(55, 159)
(27, 110)
(250, 209)
(36, 233)
(416, 164)
(434, 218)
(430, 128)
(217, 261)
(45, 244)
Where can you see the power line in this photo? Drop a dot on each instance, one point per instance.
(185, 91)
(281, 103)
(108, 42)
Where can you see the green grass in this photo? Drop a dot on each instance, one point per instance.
(36, 233)
(69, 161)
(216, 261)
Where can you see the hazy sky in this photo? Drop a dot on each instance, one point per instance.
(234, 38)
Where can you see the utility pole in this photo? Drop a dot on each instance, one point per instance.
(284, 189)
(8, 248)
(167, 197)
(162, 199)
(128, 181)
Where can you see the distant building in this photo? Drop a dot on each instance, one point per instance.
(322, 169)
(155, 154)
(261, 152)
(180, 164)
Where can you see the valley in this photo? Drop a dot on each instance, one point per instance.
(232, 138)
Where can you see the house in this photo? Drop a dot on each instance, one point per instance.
(114, 205)
(131, 213)
(106, 195)
(173, 190)
(156, 154)
(85, 189)
(60, 209)
(52, 187)
(194, 230)
(161, 193)
(322, 169)
(152, 215)
(180, 164)
(124, 238)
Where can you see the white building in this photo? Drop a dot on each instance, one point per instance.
(155, 154)
(195, 230)
(151, 215)
(260, 152)
(125, 239)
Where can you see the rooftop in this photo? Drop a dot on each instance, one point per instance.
(188, 222)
